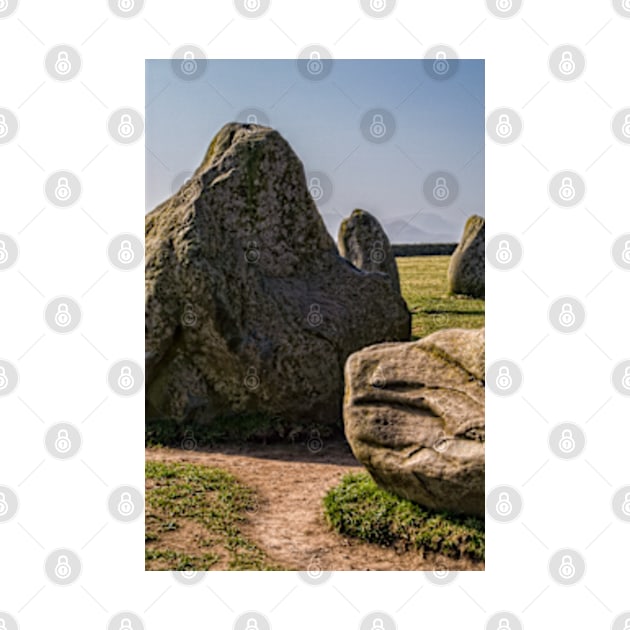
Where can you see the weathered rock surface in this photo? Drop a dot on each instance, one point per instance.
(414, 415)
(249, 307)
(467, 268)
(364, 243)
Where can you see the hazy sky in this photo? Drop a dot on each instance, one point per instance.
(439, 126)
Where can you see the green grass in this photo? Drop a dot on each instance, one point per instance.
(357, 507)
(201, 510)
(424, 285)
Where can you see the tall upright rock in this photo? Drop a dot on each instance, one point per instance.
(362, 240)
(467, 268)
(249, 307)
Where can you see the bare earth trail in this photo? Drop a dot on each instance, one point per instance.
(289, 524)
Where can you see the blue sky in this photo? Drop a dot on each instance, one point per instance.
(439, 126)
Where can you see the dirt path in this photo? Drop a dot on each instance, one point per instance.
(289, 524)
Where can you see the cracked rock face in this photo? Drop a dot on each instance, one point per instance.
(249, 307)
(467, 268)
(414, 415)
(362, 240)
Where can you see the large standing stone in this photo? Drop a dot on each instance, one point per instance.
(364, 243)
(467, 269)
(414, 416)
(249, 307)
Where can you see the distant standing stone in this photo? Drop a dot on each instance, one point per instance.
(363, 242)
(467, 269)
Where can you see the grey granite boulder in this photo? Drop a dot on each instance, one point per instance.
(249, 307)
(414, 415)
(467, 267)
(364, 243)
